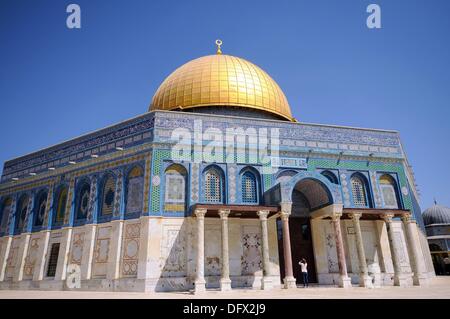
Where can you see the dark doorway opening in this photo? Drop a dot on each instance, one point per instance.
(301, 247)
(53, 260)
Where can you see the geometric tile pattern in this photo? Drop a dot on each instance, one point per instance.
(92, 199)
(148, 166)
(118, 194)
(195, 184)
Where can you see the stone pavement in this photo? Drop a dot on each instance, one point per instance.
(439, 288)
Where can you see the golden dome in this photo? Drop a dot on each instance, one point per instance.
(221, 80)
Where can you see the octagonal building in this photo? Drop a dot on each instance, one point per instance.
(216, 186)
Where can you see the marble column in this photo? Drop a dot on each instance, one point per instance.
(200, 283)
(267, 281)
(225, 281)
(414, 256)
(289, 280)
(364, 279)
(344, 280)
(399, 278)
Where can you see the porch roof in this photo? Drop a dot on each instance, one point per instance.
(240, 211)
(373, 213)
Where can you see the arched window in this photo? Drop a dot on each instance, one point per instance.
(330, 176)
(359, 191)
(249, 186)
(107, 195)
(40, 206)
(135, 191)
(61, 203)
(5, 211)
(388, 188)
(82, 202)
(175, 191)
(21, 212)
(213, 186)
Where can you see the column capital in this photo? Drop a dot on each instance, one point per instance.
(200, 212)
(406, 218)
(263, 214)
(387, 217)
(355, 216)
(336, 216)
(284, 215)
(223, 213)
(286, 207)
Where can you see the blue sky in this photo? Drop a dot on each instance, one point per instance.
(57, 83)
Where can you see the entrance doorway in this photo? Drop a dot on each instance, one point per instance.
(308, 195)
(301, 247)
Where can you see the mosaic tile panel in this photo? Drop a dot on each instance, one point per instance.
(195, 182)
(49, 205)
(92, 199)
(158, 157)
(69, 200)
(148, 166)
(119, 193)
(232, 173)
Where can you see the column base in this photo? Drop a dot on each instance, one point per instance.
(365, 281)
(199, 286)
(290, 282)
(420, 280)
(402, 280)
(225, 284)
(266, 283)
(345, 282)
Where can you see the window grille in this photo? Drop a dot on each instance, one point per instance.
(249, 188)
(108, 192)
(53, 260)
(359, 192)
(213, 187)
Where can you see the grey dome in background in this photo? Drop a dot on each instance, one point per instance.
(436, 214)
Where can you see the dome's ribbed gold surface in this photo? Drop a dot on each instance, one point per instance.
(221, 80)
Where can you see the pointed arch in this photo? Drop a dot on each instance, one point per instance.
(40, 206)
(134, 194)
(389, 191)
(82, 199)
(60, 204)
(250, 185)
(285, 175)
(214, 184)
(330, 176)
(175, 190)
(5, 211)
(360, 190)
(107, 195)
(21, 212)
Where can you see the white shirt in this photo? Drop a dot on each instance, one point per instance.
(303, 265)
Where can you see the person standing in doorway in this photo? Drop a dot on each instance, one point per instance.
(304, 265)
